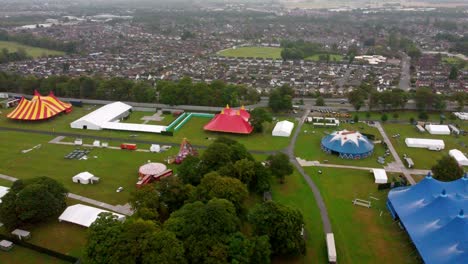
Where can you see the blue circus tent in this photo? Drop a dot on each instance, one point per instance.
(347, 145)
(434, 215)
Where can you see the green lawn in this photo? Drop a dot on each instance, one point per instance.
(115, 167)
(296, 193)
(21, 255)
(333, 57)
(192, 130)
(455, 61)
(403, 116)
(423, 158)
(257, 52)
(31, 51)
(308, 145)
(362, 235)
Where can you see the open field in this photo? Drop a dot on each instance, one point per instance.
(31, 51)
(115, 167)
(333, 57)
(192, 130)
(257, 52)
(308, 145)
(362, 235)
(297, 194)
(423, 158)
(23, 255)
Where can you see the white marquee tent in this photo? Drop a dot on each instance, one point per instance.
(3, 192)
(85, 178)
(283, 129)
(438, 129)
(459, 157)
(84, 215)
(431, 144)
(380, 176)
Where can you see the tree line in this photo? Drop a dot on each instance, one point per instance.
(41, 42)
(184, 91)
(299, 50)
(201, 215)
(19, 54)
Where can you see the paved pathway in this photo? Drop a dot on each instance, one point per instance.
(395, 154)
(122, 209)
(318, 197)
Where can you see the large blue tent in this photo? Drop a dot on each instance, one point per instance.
(347, 145)
(434, 215)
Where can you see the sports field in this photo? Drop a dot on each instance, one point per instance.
(256, 52)
(31, 51)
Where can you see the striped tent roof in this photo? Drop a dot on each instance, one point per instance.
(39, 108)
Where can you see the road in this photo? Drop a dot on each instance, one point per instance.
(318, 197)
(405, 77)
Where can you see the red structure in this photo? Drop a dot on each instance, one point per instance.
(186, 149)
(128, 146)
(39, 108)
(231, 121)
(152, 172)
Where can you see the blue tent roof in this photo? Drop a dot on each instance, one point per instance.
(434, 215)
(342, 144)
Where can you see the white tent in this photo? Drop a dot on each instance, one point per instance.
(380, 175)
(438, 129)
(3, 192)
(97, 118)
(84, 215)
(283, 129)
(85, 178)
(431, 144)
(459, 157)
(155, 148)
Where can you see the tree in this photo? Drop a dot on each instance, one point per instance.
(356, 98)
(280, 166)
(461, 98)
(173, 192)
(281, 99)
(191, 171)
(32, 201)
(215, 186)
(244, 250)
(356, 118)
(447, 169)
(320, 101)
(453, 73)
(146, 203)
(423, 116)
(439, 103)
(384, 118)
(216, 155)
(258, 116)
(282, 225)
(163, 247)
(424, 98)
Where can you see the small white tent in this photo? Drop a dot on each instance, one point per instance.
(283, 129)
(438, 129)
(3, 192)
(380, 175)
(459, 157)
(84, 215)
(85, 178)
(431, 144)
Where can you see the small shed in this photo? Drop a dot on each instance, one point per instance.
(21, 234)
(283, 129)
(78, 142)
(6, 245)
(97, 143)
(438, 129)
(85, 178)
(380, 176)
(155, 148)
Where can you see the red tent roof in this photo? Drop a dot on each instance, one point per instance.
(39, 108)
(230, 121)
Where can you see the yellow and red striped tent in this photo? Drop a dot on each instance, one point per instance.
(39, 108)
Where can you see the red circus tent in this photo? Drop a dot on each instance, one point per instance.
(39, 108)
(230, 121)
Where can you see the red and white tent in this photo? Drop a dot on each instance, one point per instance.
(231, 121)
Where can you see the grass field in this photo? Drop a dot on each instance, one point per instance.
(423, 158)
(256, 52)
(362, 235)
(403, 116)
(297, 194)
(31, 51)
(308, 146)
(333, 57)
(21, 255)
(192, 130)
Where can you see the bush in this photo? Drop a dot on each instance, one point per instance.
(384, 118)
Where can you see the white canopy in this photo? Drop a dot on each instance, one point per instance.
(83, 176)
(433, 144)
(133, 127)
(84, 215)
(97, 118)
(438, 129)
(3, 192)
(459, 157)
(283, 129)
(380, 175)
